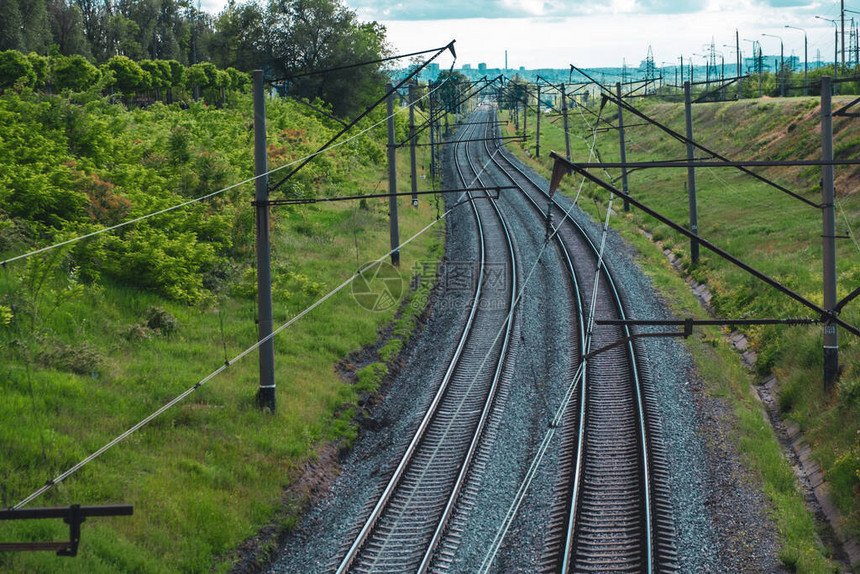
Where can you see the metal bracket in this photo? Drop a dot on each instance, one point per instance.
(303, 201)
(688, 330)
(73, 515)
(843, 111)
(688, 324)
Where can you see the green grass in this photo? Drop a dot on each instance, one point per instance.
(210, 472)
(779, 236)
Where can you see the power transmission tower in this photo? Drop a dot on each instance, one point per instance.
(650, 72)
(712, 63)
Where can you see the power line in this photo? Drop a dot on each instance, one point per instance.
(328, 144)
(198, 199)
(179, 398)
(360, 64)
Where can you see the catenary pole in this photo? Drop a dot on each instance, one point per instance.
(624, 186)
(392, 181)
(566, 131)
(537, 122)
(266, 390)
(431, 111)
(828, 236)
(691, 175)
(413, 164)
(525, 113)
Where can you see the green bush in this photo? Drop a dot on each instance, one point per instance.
(73, 73)
(129, 77)
(15, 70)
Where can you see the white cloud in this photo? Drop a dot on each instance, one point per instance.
(602, 40)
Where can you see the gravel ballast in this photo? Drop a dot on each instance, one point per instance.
(721, 519)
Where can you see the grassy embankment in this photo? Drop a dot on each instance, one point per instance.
(776, 234)
(84, 358)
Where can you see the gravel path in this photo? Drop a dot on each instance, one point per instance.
(720, 518)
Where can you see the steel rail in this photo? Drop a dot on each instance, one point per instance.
(567, 555)
(397, 477)
(485, 414)
(643, 446)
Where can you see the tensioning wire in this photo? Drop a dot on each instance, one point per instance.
(847, 224)
(525, 484)
(64, 475)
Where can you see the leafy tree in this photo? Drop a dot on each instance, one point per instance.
(238, 38)
(314, 35)
(144, 14)
(452, 85)
(11, 22)
(73, 73)
(238, 80)
(514, 93)
(95, 15)
(129, 77)
(15, 68)
(171, 26)
(40, 69)
(178, 73)
(123, 33)
(159, 73)
(202, 76)
(67, 28)
(36, 29)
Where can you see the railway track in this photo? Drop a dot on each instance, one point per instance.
(612, 510)
(406, 524)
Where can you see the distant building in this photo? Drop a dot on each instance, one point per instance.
(467, 67)
(770, 63)
(482, 67)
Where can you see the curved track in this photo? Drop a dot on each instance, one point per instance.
(610, 514)
(406, 524)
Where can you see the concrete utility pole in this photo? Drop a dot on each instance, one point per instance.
(805, 59)
(738, 65)
(525, 113)
(835, 50)
(828, 235)
(691, 174)
(624, 186)
(413, 165)
(564, 115)
(266, 390)
(432, 131)
(392, 181)
(781, 64)
(537, 133)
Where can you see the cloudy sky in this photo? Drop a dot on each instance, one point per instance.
(555, 33)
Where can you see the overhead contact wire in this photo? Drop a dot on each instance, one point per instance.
(179, 398)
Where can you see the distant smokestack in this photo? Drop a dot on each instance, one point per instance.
(506, 60)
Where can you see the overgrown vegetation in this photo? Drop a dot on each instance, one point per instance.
(286, 38)
(99, 334)
(776, 234)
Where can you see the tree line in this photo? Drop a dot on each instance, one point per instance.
(285, 37)
(145, 81)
